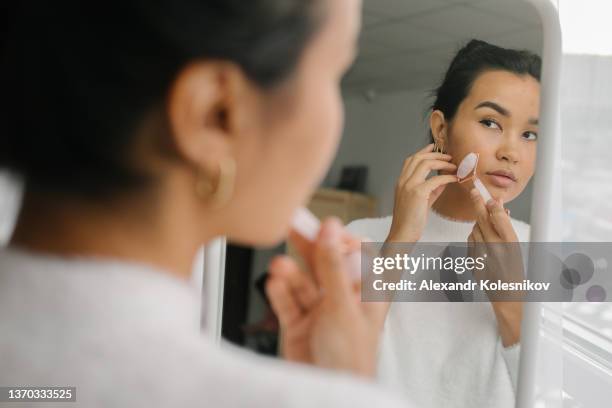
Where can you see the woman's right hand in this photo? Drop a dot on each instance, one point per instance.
(323, 321)
(415, 194)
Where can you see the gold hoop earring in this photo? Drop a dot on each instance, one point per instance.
(219, 193)
(438, 148)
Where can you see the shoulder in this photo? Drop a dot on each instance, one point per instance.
(375, 229)
(190, 371)
(522, 229)
(264, 381)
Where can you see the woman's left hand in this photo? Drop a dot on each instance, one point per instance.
(494, 236)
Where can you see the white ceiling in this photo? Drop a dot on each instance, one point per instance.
(408, 44)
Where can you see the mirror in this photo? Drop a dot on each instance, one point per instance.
(436, 353)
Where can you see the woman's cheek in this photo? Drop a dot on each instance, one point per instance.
(319, 142)
(466, 138)
(331, 125)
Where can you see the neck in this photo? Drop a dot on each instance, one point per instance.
(129, 229)
(455, 203)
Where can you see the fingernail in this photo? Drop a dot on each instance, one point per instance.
(491, 202)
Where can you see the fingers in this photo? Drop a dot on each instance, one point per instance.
(476, 234)
(290, 291)
(306, 247)
(329, 267)
(427, 166)
(417, 159)
(479, 204)
(413, 161)
(501, 221)
(476, 240)
(477, 247)
(303, 246)
(350, 243)
(301, 284)
(427, 149)
(482, 217)
(283, 302)
(436, 181)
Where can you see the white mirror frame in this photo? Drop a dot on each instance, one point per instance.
(213, 284)
(546, 199)
(545, 215)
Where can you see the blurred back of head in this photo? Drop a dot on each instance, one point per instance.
(78, 78)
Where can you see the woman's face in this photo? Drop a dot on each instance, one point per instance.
(499, 121)
(291, 147)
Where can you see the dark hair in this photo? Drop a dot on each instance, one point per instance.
(76, 79)
(472, 60)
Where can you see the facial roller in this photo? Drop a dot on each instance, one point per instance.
(467, 171)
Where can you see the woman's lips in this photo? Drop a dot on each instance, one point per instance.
(500, 180)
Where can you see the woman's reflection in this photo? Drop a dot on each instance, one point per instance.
(462, 354)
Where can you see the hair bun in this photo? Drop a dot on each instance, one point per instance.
(474, 44)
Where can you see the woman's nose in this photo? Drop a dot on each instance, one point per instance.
(508, 151)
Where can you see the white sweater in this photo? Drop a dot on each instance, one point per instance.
(127, 335)
(445, 354)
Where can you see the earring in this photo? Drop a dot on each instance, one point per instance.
(438, 148)
(219, 193)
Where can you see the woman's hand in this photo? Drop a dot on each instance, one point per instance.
(322, 319)
(415, 194)
(494, 236)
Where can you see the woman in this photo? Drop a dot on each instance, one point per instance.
(450, 354)
(143, 130)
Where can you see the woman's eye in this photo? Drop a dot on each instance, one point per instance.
(491, 124)
(530, 135)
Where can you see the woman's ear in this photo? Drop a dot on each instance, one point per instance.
(439, 128)
(207, 111)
